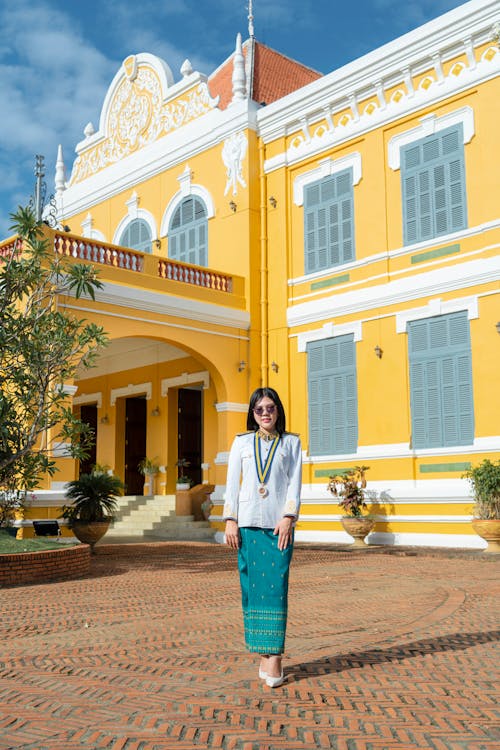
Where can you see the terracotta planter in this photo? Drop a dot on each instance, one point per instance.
(90, 533)
(183, 503)
(488, 529)
(358, 528)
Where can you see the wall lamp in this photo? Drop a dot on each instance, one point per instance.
(498, 327)
(105, 419)
(155, 412)
(232, 206)
(273, 201)
(157, 243)
(241, 365)
(378, 351)
(274, 366)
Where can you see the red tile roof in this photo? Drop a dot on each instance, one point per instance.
(274, 75)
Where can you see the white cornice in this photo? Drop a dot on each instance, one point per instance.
(429, 125)
(186, 378)
(438, 307)
(326, 168)
(425, 47)
(169, 305)
(130, 390)
(171, 150)
(438, 281)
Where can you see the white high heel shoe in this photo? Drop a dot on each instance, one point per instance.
(274, 682)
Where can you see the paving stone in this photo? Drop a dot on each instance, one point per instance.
(384, 650)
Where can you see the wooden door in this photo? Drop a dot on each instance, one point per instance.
(135, 444)
(88, 415)
(189, 445)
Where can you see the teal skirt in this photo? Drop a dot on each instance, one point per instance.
(264, 589)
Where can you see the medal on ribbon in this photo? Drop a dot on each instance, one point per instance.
(263, 470)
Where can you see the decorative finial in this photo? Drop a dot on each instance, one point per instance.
(239, 79)
(186, 68)
(251, 30)
(60, 182)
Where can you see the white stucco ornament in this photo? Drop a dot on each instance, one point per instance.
(233, 153)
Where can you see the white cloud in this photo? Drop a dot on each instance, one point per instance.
(51, 83)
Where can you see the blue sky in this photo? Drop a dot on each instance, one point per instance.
(57, 58)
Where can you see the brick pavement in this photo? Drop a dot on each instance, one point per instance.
(383, 651)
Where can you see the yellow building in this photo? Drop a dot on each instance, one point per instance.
(335, 237)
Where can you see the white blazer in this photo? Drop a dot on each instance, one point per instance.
(243, 502)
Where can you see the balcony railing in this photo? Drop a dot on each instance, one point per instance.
(94, 251)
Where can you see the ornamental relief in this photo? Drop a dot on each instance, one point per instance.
(137, 118)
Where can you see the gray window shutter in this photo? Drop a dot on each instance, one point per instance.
(333, 403)
(433, 186)
(329, 222)
(188, 231)
(441, 396)
(137, 236)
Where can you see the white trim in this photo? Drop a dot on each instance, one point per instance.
(488, 444)
(133, 214)
(415, 286)
(328, 331)
(392, 539)
(89, 398)
(393, 64)
(130, 390)
(231, 406)
(437, 307)
(187, 378)
(162, 323)
(168, 304)
(429, 125)
(197, 190)
(326, 168)
(434, 243)
(390, 518)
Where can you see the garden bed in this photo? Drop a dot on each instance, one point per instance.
(25, 561)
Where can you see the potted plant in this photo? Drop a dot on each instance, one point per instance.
(149, 467)
(93, 499)
(183, 480)
(349, 486)
(485, 481)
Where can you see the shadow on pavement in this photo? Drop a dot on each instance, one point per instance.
(360, 659)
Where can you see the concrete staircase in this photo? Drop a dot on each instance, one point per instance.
(153, 517)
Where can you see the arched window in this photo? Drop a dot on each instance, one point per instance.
(137, 236)
(188, 232)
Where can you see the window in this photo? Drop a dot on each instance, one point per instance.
(333, 407)
(137, 236)
(442, 411)
(433, 185)
(188, 232)
(329, 222)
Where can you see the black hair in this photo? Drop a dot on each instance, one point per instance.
(256, 396)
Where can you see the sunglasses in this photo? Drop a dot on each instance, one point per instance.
(260, 410)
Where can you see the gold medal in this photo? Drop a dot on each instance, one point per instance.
(263, 470)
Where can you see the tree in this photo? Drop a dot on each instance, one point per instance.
(42, 345)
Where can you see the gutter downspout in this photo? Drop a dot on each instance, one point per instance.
(264, 287)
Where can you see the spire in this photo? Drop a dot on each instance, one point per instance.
(60, 181)
(251, 30)
(239, 79)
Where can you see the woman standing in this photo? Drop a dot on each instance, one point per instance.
(260, 514)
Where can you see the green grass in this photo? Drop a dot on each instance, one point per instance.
(9, 545)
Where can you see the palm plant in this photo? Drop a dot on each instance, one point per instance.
(93, 498)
